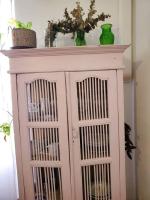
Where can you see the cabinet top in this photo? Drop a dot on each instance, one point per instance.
(65, 59)
(40, 52)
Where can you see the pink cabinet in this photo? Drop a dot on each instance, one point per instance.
(68, 120)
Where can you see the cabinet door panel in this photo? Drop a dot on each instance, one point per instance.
(44, 136)
(95, 135)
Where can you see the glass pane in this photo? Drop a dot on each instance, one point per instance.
(96, 181)
(92, 94)
(42, 101)
(44, 144)
(94, 141)
(47, 183)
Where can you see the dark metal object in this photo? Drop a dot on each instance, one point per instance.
(129, 146)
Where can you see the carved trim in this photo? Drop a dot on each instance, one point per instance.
(16, 53)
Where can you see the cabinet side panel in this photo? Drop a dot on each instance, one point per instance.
(121, 134)
(17, 136)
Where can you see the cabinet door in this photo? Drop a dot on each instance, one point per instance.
(44, 136)
(95, 135)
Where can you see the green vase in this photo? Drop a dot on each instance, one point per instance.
(107, 37)
(80, 38)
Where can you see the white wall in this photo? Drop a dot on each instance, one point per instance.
(8, 190)
(129, 96)
(7, 159)
(142, 76)
(39, 12)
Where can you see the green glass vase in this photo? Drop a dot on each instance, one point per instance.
(80, 38)
(107, 37)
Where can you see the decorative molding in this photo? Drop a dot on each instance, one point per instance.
(16, 53)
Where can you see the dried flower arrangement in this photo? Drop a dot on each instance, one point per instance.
(77, 22)
(74, 22)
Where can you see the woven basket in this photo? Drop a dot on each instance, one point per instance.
(23, 38)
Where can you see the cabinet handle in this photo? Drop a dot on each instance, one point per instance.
(75, 134)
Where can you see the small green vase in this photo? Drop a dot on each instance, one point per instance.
(107, 37)
(80, 38)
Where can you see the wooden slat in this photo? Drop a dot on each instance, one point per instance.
(94, 122)
(95, 161)
(43, 124)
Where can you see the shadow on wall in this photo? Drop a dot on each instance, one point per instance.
(142, 78)
(141, 72)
